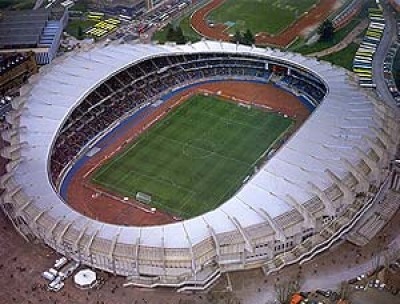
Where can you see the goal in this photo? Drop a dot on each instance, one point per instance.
(143, 197)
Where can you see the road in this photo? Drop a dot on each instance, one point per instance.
(388, 37)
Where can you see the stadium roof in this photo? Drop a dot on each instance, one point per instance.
(335, 136)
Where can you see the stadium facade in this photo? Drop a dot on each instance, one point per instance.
(308, 196)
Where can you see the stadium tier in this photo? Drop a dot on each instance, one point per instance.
(310, 194)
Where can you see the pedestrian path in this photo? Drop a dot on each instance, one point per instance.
(350, 38)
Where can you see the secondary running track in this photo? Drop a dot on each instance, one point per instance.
(310, 20)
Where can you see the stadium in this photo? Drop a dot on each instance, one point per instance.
(310, 192)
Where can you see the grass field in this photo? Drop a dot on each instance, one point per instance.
(184, 22)
(196, 157)
(343, 58)
(73, 26)
(270, 16)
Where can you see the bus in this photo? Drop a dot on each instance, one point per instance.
(367, 49)
(362, 72)
(162, 19)
(125, 18)
(364, 75)
(182, 6)
(374, 10)
(373, 39)
(377, 26)
(368, 44)
(377, 19)
(362, 66)
(365, 52)
(373, 34)
(375, 30)
(365, 78)
(113, 21)
(361, 61)
(375, 14)
(368, 85)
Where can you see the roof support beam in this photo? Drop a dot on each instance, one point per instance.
(137, 252)
(329, 209)
(90, 242)
(114, 243)
(193, 264)
(75, 245)
(370, 163)
(361, 178)
(112, 249)
(214, 237)
(347, 193)
(5, 178)
(24, 206)
(10, 166)
(163, 251)
(64, 231)
(279, 234)
(50, 231)
(309, 220)
(248, 245)
(381, 151)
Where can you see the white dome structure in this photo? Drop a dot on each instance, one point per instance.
(306, 197)
(85, 279)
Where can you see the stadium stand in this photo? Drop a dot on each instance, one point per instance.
(310, 194)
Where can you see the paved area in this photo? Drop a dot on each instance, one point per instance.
(377, 64)
(343, 262)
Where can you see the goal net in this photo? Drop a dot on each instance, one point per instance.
(143, 197)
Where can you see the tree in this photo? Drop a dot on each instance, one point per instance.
(180, 38)
(237, 38)
(285, 290)
(80, 33)
(175, 34)
(326, 30)
(248, 38)
(170, 33)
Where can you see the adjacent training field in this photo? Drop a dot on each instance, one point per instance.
(259, 15)
(196, 157)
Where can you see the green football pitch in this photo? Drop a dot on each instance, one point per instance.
(270, 16)
(196, 157)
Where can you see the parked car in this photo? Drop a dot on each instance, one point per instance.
(325, 293)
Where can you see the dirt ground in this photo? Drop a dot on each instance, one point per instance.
(310, 20)
(21, 265)
(97, 203)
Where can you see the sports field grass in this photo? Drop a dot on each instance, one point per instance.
(196, 157)
(270, 16)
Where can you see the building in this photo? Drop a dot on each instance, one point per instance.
(15, 69)
(38, 31)
(309, 195)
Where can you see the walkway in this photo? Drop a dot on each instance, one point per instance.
(345, 42)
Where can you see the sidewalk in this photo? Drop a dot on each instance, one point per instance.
(342, 263)
(345, 42)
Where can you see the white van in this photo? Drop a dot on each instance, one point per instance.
(48, 276)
